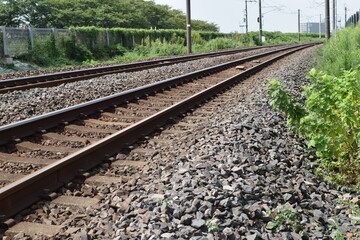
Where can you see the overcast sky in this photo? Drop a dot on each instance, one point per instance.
(279, 15)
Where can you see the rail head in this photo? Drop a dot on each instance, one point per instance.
(24, 192)
(35, 124)
(82, 72)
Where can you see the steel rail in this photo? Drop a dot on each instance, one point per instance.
(39, 123)
(48, 80)
(30, 189)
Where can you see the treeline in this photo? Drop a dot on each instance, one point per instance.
(104, 14)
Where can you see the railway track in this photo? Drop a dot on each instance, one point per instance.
(54, 79)
(65, 144)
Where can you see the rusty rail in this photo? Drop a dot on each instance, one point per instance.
(24, 192)
(54, 79)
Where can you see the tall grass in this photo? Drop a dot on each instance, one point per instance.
(330, 118)
(342, 52)
(69, 52)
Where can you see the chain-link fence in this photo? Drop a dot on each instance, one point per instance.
(18, 41)
(15, 42)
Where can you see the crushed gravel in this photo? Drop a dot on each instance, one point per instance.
(226, 179)
(19, 105)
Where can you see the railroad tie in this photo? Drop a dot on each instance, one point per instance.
(105, 180)
(33, 229)
(63, 138)
(29, 147)
(9, 177)
(5, 157)
(83, 129)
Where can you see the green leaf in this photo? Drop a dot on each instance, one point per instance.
(271, 225)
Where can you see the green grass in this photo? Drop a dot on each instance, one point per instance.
(330, 117)
(342, 52)
(68, 53)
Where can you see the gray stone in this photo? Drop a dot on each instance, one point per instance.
(197, 223)
(186, 219)
(228, 231)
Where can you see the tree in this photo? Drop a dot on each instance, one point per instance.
(105, 13)
(199, 25)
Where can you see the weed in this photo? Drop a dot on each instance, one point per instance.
(329, 121)
(341, 53)
(355, 211)
(284, 217)
(7, 66)
(211, 225)
(337, 233)
(166, 201)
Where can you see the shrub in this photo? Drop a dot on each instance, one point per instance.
(221, 43)
(106, 52)
(329, 121)
(73, 51)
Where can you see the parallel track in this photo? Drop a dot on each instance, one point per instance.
(49, 80)
(114, 123)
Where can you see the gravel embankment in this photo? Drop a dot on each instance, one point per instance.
(30, 70)
(238, 164)
(19, 105)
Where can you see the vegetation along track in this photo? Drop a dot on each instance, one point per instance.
(104, 127)
(54, 79)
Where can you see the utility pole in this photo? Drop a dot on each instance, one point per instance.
(320, 27)
(345, 15)
(188, 27)
(246, 16)
(299, 25)
(327, 19)
(260, 22)
(334, 15)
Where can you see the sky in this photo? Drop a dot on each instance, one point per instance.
(278, 15)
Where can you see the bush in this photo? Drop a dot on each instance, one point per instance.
(158, 48)
(106, 52)
(329, 121)
(330, 118)
(45, 53)
(221, 43)
(73, 51)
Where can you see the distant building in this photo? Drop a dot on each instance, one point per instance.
(312, 27)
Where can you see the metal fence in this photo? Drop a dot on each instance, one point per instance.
(18, 41)
(353, 20)
(313, 27)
